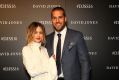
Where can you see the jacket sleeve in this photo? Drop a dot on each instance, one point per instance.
(83, 58)
(33, 69)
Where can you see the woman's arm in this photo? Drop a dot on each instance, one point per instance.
(32, 68)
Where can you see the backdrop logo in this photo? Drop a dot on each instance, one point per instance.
(45, 6)
(113, 38)
(10, 22)
(7, 6)
(8, 54)
(45, 22)
(88, 37)
(84, 22)
(116, 22)
(5, 38)
(85, 6)
(112, 67)
(93, 53)
(10, 68)
(115, 53)
(113, 6)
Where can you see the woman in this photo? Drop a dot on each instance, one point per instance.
(35, 57)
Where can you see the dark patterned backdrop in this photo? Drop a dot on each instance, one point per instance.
(97, 19)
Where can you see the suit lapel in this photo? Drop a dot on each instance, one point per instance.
(67, 41)
(51, 44)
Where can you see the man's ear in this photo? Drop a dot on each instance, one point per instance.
(65, 19)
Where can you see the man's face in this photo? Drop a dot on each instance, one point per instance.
(58, 20)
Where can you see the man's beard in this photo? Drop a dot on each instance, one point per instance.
(59, 30)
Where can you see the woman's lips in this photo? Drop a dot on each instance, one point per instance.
(38, 38)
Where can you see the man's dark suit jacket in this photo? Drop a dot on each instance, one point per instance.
(75, 59)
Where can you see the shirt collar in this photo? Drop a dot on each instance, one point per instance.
(35, 44)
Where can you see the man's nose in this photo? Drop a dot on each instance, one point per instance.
(57, 20)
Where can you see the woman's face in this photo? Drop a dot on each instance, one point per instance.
(38, 35)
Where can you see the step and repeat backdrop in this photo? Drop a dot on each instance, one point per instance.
(98, 20)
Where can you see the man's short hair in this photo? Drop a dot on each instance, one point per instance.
(58, 8)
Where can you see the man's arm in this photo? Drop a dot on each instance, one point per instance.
(83, 58)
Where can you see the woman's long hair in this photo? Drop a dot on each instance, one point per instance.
(32, 28)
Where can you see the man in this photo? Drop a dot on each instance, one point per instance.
(69, 46)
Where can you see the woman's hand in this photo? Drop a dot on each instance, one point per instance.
(54, 57)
